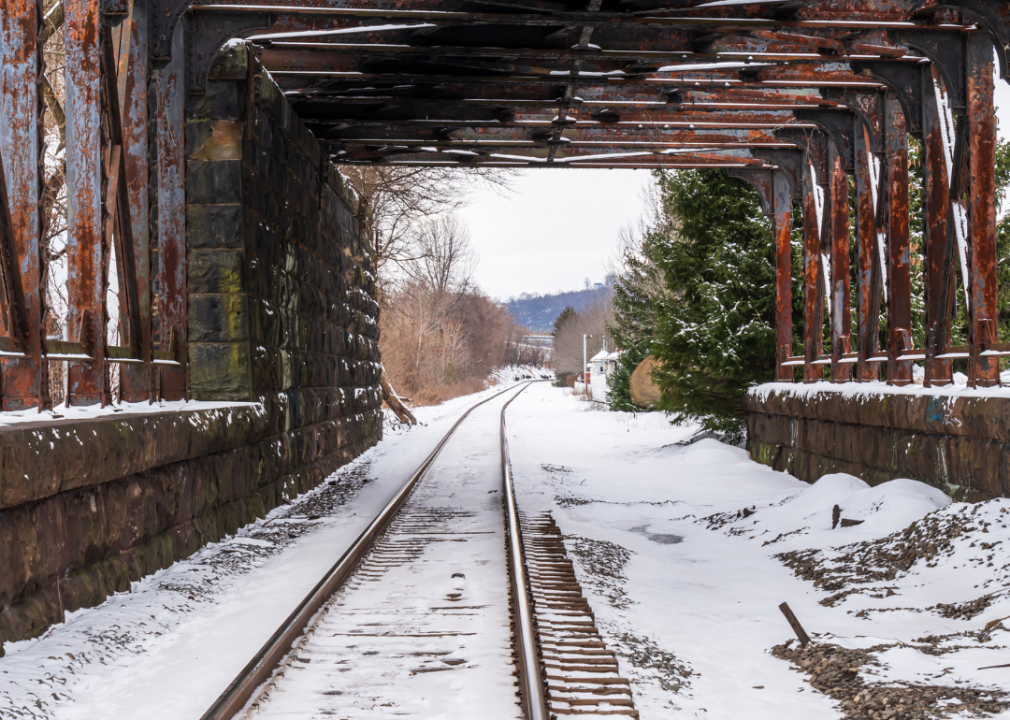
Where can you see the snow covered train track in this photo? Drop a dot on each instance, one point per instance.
(426, 617)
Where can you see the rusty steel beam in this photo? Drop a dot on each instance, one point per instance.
(813, 304)
(937, 136)
(137, 380)
(86, 315)
(868, 276)
(982, 371)
(171, 150)
(899, 293)
(24, 379)
(841, 321)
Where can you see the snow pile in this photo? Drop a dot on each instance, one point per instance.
(807, 517)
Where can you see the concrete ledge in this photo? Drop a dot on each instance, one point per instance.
(957, 441)
(39, 460)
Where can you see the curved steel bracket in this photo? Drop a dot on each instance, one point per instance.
(761, 180)
(206, 33)
(868, 107)
(815, 150)
(948, 51)
(163, 16)
(994, 18)
(905, 79)
(840, 127)
(788, 161)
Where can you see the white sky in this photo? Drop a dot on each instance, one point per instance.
(560, 226)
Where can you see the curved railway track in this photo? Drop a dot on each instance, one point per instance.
(397, 628)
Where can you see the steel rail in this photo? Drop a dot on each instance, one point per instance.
(531, 670)
(273, 652)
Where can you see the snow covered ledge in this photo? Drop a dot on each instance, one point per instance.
(956, 439)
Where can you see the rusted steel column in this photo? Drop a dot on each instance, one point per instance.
(782, 202)
(937, 145)
(813, 313)
(137, 379)
(841, 318)
(25, 381)
(171, 147)
(867, 168)
(899, 293)
(85, 284)
(982, 371)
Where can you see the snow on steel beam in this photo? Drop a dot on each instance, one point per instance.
(24, 379)
(813, 280)
(86, 285)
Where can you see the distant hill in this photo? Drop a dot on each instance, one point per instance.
(538, 312)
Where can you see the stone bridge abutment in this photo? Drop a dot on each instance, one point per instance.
(283, 356)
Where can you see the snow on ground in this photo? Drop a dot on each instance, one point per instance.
(171, 645)
(687, 550)
(685, 547)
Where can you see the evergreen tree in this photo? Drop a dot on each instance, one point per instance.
(714, 336)
(636, 290)
(567, 314)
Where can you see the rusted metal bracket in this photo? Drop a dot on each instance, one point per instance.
(206, 32)
(815, 146)
(905, 79)
(114, 12)
(868, 106)
(946, 50)
(788, 161)
(995, 19)
(839, 127)
(761, 180)
(164, 16)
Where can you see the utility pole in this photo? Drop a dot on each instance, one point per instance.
(585, 362)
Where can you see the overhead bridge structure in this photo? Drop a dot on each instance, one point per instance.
(186, 157)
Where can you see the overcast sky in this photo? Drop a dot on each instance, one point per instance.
(559, 226)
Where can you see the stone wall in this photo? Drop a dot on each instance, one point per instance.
(956, 441)
(282, 326)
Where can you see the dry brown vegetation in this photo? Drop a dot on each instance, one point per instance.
(440, 335)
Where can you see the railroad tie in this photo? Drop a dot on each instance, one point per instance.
(581, 671)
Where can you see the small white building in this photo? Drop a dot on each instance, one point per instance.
(601, 366)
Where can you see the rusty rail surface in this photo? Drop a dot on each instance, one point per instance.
(532, 676)
(270, 656)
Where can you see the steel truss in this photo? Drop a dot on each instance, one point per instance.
(799, 98)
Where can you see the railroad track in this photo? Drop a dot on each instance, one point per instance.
(417, 618)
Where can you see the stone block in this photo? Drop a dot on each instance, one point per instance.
(214, 226)
(218, 318)
(217, 272)
(219, 371)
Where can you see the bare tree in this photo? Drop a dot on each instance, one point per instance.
(445, 260)
(398, 198)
